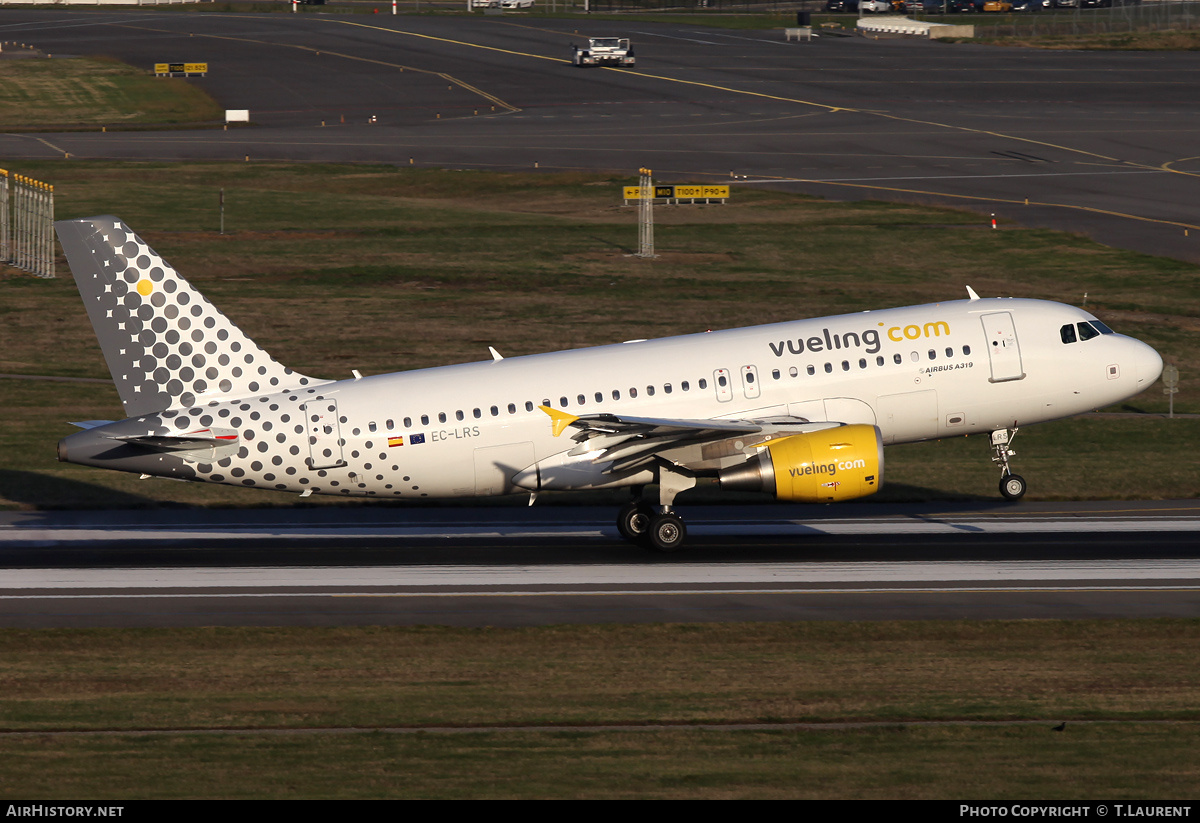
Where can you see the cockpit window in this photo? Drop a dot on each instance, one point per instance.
(1087, 331)
(1068, 333)
(1103, 328)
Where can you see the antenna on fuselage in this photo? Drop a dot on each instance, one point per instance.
(971, 293)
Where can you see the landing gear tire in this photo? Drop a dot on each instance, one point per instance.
(666, 532)
(633, 522)
(1012, 487)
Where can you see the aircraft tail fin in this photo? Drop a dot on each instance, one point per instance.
(166, 345)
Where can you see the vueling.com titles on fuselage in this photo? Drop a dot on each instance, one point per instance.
(870, 339)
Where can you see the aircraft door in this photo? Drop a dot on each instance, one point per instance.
(1003, 351)
(750, 381)
(324, 433)
(722, 385)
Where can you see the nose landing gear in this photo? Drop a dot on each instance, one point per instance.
(1012, 486)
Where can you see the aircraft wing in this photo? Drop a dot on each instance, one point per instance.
(630, 442)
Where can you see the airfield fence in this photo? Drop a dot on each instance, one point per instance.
(27, 224)
(1118, 19)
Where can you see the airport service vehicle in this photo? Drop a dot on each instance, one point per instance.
(800, 410)
(874, 6)
(603, 51)
(516, 4)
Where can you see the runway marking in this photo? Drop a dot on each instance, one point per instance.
(977, 198)
(16, 535)
(483, 579)
(608, 593)
(447, 77)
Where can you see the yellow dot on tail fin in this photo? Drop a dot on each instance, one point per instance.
(144, 287)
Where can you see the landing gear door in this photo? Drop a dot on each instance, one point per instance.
(324, 433)
(1003, 351)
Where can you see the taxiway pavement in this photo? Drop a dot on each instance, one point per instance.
(1102, 143)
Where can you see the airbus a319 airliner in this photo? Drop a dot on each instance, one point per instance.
(800, 410)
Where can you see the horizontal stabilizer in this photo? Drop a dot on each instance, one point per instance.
(90, 424)
(187, 441)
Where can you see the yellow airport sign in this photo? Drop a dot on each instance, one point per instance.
(185, 69)
(689, 193)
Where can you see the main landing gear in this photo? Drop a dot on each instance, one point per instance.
(649, 527)
(1012, 486)
(657, 528)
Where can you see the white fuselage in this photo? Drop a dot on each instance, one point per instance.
(917, 373)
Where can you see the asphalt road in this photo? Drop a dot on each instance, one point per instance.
(1103, 143)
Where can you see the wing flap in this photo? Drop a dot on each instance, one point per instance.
(629, 443)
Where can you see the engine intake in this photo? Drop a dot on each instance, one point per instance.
(841, 463)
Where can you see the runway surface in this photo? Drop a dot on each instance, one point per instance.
(1098, 142)
(565, 565)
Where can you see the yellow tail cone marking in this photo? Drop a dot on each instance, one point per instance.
(561, 419)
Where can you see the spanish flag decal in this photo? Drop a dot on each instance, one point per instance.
(396, 441)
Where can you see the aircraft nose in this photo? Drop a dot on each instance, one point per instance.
(1148, 365)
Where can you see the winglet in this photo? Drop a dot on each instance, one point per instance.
(971, 293)
(561, 419)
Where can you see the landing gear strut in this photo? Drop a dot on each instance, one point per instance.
(656, 527)
(1012, 486)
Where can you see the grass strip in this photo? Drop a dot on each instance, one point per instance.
(38, 94)
(904, 673)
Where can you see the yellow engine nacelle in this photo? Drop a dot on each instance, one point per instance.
(841, 463)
